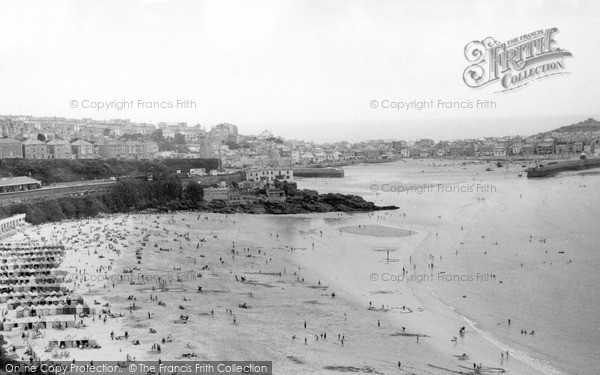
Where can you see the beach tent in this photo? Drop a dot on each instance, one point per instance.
(19, 312)
(9, 325)
(79, 300)
(10, 304)
(69, 342)
(60, 309)
(52, 342)
(79, 308)
(45, 310)
(50, 310)
(87, 309)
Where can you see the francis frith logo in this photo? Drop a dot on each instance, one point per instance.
(514, 63)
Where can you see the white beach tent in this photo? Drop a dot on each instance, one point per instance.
(79, 308)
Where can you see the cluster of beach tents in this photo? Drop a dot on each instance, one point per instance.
(55, 321)
(70, 341)
(32, 287)
(5, 296)
(30, 268)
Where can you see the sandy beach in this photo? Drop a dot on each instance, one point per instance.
(321, 293)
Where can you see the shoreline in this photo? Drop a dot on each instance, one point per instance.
(426, 317)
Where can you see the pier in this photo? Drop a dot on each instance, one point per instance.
(554, 168)
(319, 172)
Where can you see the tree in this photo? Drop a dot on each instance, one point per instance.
(157, 136)
(179, 139)
(232, 145)
(131, 137)
(41, 137)
(194, 192)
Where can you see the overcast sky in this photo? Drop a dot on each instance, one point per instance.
(303, 69)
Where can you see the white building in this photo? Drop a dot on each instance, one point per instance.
(270, 175)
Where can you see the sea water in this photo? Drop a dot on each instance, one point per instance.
(507, 247)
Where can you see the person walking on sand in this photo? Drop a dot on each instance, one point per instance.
(378, 324)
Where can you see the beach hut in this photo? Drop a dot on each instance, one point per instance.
(26, 311)
(19, 312)
(60, 309)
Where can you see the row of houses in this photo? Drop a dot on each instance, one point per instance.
(496, 149)
(86, 128)
(60, 149)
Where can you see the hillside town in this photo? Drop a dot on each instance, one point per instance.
(62, 138)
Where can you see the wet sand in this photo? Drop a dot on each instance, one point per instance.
(376, 231)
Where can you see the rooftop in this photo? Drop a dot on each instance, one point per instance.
(22, 180)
